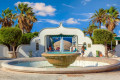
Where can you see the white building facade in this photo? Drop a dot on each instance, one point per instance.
(38, 45)
(4, 51)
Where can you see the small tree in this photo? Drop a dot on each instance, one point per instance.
(102, 36)
(10, 36)
(26, 17)
(26, 38)
(7, 18)
(89, 30)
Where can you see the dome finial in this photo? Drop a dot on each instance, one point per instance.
(61, 24)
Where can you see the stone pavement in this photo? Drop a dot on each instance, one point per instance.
(8, 75)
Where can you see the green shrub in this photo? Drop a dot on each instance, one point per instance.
(102, 36)
(10, 36)
(26, 38)
(35, 33)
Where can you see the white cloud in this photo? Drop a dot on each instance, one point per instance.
(84, 20)
(68, 21)
(49, 21)
(119, 13)
(40, 9)
(103, 27)
(84, 2)
(72, 21)
(67, 5)
(119, 31)
(108, 5)
(40, 21)
(88, 15)
(52, 21)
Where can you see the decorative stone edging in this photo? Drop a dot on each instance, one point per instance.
(114, 64)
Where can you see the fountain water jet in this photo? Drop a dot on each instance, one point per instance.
(61, 45)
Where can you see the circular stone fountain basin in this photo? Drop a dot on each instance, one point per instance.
(61, 60)
(41, 65)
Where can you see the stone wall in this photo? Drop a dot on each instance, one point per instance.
(25, 50)
(91, 52)
(117, 50)
(4, 51)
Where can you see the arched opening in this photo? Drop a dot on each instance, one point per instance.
(85, 45)
(37, 46)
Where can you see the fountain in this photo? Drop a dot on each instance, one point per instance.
(60, 62)
(61, 59)
(81, 65)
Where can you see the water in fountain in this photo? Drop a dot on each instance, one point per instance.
(61, 45)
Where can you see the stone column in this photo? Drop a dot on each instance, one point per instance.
(116, 42)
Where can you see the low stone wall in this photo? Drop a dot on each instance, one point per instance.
(23, 51)
(4, 51)
(91, 52)
(117, 50)
(114, 64)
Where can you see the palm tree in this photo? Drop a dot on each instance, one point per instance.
(26, 17)
(111, 19)
(98, 16)
(7, 18)
(90, 29)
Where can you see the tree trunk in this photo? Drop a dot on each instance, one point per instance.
(110, 28)
(90, 34)
(14, 53)
(106, 50)
(22, 31)
(99, 25)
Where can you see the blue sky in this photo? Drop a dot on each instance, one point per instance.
(72, 13)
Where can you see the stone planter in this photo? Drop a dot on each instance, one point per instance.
(61, 60)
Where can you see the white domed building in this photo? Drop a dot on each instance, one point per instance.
(40, 44)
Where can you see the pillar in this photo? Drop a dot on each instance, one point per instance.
(116, 42)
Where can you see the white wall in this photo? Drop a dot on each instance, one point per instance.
(117, 50)
(92, 51)
(23, 50)
(56, 31)
(4, 51)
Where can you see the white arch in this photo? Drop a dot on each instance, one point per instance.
(65, 31)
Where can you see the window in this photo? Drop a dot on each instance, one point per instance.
(85, 45)
(89, 45)
(37, 46)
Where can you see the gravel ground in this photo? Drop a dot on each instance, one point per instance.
(10, 75)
